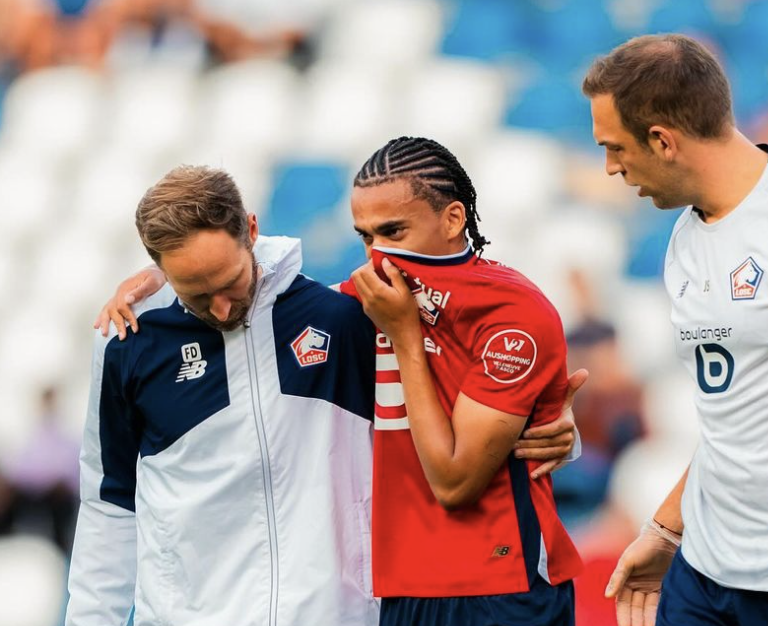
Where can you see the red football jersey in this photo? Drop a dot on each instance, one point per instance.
(491, 334)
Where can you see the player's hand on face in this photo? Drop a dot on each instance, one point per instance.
(553, 442)
(636, 581)
(129, 292)
(391, 307)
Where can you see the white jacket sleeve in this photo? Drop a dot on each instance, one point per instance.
(575, 452)
(103, 570)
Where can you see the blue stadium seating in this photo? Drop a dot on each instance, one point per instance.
(303, 195)
(301, 192)
(692, 17)
(553, 104)
(649, 232)
(489, 30)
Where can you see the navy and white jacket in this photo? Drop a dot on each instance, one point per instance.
(226, 477)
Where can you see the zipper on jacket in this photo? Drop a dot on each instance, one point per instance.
(265, 467)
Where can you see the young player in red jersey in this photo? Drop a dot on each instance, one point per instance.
(461, 534)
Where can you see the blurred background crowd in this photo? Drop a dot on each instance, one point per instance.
(98, 99)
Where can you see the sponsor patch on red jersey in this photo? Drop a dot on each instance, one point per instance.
(509, 356)
(311, 347)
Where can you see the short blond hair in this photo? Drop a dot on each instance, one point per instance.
(186, 200)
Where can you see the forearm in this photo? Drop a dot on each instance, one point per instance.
(669, 513)
(431, 428)
(102, 573)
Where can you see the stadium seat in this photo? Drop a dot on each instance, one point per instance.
(54, 113)
(266, 17)
(68, 268)
(348, 110)
(565, 35)
(489, 30)
(670, 408)
(552, 103)
(106, 189)
(692, 17)
(648, 233)
(388, 33)
(32, 574)
(42, 352)
(176, 45)
(152, 110)
(456, 101)
(644, 473)
(309, 200)
(249, 107)
(573, 239)
(641, 312)
(328, 264)
(513, 176)
(29, 193)
(302, 192)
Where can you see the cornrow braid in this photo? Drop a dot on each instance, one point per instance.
(435, 175)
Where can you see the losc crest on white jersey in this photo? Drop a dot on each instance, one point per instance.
(714, 278)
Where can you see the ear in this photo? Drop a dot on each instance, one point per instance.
(253, 229)
(454, 220)
(663, 142)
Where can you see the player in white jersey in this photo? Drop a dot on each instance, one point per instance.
(661, 106)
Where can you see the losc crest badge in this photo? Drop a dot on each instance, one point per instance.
(509, 356)
(311, 347)
(745, 280)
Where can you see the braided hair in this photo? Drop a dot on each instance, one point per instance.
(435, 175)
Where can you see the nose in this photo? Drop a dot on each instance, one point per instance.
(612, 164)
(220, 307)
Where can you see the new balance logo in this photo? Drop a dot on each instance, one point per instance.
(194, 365)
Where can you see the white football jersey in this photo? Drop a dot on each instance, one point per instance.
(715, 279)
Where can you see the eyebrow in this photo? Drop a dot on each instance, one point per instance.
(608, 144)
(222, 288)
(383, 228)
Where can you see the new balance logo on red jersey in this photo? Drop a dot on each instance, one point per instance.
(193, 365)
(500, 551)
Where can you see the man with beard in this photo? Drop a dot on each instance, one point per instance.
(226, 461)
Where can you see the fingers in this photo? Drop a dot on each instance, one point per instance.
(394, 275)
(558, 427)
(546, 468)
(624, 608)
(575, 381)
(367, 276)
(124, 312)
(650, 608)
(637, 608)
(119, 322)
(143, 290)
(565, 439)
(617, 580)
(102, 322)
(543, 454)
(361, 284)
